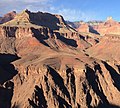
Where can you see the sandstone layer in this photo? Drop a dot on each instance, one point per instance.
(47, 64)
(110, 26)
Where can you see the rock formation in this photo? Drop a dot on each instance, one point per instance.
(107, 48)
(83, 28)
(45, 63)
(7, 17)
(110, 26)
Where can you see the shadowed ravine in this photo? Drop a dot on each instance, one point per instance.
(7, 72)
(114, 74)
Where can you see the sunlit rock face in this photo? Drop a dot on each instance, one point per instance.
(110, 26)
(45, 63)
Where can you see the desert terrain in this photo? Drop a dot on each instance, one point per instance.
(47, 62)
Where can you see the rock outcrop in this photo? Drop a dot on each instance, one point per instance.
(7, 17)
(83, 28)
(41, 19)
(108, 27)
(107, 48)
(44, 64)
(43, 26)
(56, 84)
(21, 31)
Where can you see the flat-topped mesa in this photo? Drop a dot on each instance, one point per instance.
(42, 26)
(21, 25)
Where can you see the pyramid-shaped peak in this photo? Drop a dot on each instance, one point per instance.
(24, 12)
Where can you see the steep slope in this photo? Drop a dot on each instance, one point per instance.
(83, 28)
(44, 65)
(65, 81)
(88, 33)
(107, 48)
(7, 17)
(43, 26)
(54, 22)
(110, 26)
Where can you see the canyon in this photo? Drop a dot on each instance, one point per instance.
(47, 63)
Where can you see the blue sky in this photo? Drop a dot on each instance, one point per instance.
(72, 10)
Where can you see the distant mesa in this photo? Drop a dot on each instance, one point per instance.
(7, 17)
(110, 26)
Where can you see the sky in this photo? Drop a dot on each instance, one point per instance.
(71, 10)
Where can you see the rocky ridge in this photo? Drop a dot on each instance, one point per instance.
(107, 48)
(47, 65)
(110, 26)
(7, 17)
